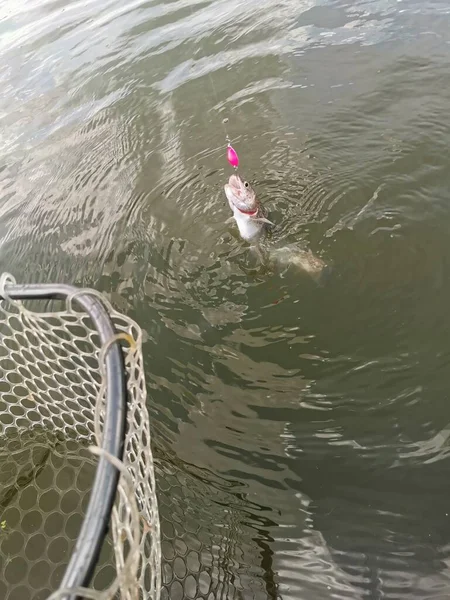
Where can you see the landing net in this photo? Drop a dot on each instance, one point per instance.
(67, 359)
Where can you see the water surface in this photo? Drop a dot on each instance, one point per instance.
(300, 430)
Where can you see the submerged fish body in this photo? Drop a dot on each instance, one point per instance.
(298, 258)
(303, 259)
(251, 219)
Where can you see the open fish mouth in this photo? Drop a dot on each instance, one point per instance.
(241, 195)
(236, 184)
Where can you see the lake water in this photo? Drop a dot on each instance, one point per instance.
(301, 429)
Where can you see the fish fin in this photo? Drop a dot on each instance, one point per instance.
(264, 220)
(230, 220)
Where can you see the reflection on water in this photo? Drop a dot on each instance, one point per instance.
(301, 430)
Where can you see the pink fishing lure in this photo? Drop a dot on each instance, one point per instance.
(232, 156)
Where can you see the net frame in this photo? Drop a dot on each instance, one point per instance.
(115, 498)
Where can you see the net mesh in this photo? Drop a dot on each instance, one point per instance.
(52, 401)
(212, 548)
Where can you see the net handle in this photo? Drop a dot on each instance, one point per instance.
(96, 521)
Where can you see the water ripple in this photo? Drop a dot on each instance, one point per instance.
(300, 427)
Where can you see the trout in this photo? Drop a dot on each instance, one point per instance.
(251, 219)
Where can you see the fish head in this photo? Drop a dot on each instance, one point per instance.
(241, 196)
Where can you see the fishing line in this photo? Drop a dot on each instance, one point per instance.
(232, 155)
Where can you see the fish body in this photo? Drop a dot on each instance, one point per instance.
(251, 219)
(249, 214)
(303, 259)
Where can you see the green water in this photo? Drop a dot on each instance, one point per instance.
(300, 431)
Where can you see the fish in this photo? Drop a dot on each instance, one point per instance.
(299, 258)
(248, 212)
(251, 219)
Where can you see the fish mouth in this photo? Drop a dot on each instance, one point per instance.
(236, 192)
(235, 180)
(236, 183)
